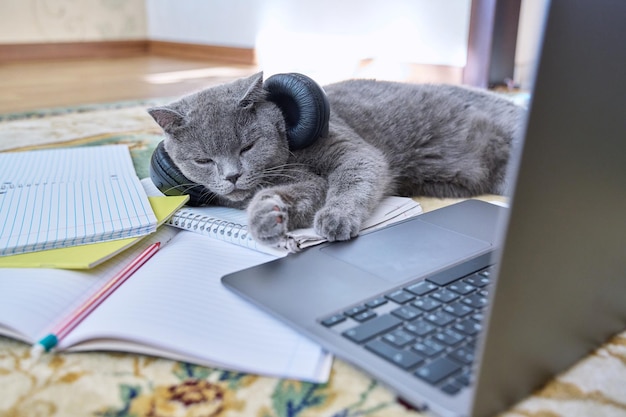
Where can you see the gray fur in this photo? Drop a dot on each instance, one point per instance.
(385, 138)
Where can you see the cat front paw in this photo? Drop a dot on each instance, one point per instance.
(268, 219)
(335, 224)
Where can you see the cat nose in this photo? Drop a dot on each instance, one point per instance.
(233, 177)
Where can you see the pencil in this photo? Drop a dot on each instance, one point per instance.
(50, 341)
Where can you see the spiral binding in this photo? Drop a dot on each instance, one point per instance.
(212, 226)
(6, 186)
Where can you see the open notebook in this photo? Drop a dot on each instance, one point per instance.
(174, 306)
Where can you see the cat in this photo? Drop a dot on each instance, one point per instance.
(384, 138)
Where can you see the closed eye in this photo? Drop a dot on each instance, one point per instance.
(246, 148)
(203, 161)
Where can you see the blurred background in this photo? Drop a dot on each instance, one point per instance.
(148, 48)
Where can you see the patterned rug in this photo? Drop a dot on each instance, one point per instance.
(115, 384)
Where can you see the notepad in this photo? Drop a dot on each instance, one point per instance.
(57, 198)
(89, 256)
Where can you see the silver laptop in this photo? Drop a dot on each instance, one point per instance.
(467, 309)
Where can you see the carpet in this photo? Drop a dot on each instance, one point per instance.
(118, 384)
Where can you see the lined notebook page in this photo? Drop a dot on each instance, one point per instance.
(176, 304)
(65, 197)
(33, 301)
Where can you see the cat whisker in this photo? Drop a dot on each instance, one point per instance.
(286, 167)
(207, 197)
(265, 177)
(181, 188)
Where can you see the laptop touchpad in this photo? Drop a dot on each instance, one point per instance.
(406, 250)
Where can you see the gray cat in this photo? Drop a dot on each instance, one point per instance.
(384, 138)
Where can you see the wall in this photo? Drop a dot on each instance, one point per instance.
(288, 35)
(232, 23)
(532, 20)
(43, 21)
(328, 39)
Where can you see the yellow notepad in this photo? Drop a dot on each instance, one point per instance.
(88, 256)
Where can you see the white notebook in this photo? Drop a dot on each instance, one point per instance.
(57, 198)
(174, 306)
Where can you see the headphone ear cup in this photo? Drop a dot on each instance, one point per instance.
(304, 105)
(170, 181)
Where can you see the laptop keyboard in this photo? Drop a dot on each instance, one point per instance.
(428, 328)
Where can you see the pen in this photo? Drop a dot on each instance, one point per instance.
(63, 328)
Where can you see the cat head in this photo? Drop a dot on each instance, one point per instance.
(229, 138)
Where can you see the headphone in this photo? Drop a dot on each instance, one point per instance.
(306, 111)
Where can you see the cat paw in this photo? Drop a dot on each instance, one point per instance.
(335, 224)
(268, 219)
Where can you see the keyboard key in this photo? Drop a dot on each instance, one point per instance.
(443, 295)
(461, 287)
(479, 317)
(403, 358)
(426, 304)
(451, 388)
(477, 280)
(458, 309)
(437, 370)
(475, 300)
(355, 310)
(406, 312)
(464, 379)
(419, 328)
(440, 318)
(469, 327)
(398, 338)
(463, 355)
(364, 316)
(486, 273)
(332, 320)
(428, 347)
(444, 279)
(400, 296)
(371, 328)
(471, 344)
(449, 337)
(422, 288)
(376, 302)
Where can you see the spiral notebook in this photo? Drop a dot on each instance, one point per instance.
(230, 225)
(57, 198)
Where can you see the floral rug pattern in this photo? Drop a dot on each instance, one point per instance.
(101, 384)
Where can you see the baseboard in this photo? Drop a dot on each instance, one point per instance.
(198, 51)
(245, 56)
(71, 50)
(114, 49)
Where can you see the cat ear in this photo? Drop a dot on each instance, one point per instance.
(167, 118)
(255, 92)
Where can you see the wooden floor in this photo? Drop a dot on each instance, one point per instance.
(34, 85)
(42, 84)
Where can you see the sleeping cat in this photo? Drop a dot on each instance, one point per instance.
(383, 138)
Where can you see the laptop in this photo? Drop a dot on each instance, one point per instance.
(465, 310)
